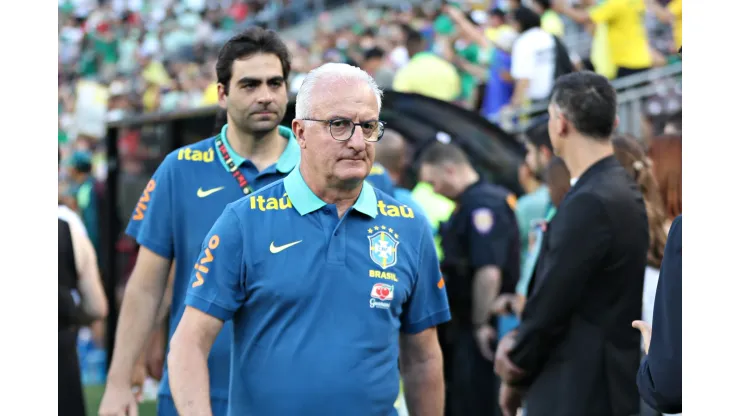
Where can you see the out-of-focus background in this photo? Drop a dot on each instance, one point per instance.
(137, 80)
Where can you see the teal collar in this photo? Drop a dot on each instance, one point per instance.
(287, 161)
(305, 201)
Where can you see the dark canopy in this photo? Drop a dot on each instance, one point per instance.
(420, 120)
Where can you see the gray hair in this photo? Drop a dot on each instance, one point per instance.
(331, 70)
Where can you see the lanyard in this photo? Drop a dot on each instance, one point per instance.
(235, 172)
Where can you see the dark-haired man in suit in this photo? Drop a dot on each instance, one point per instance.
(574, 353)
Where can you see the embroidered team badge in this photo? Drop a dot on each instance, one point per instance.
(383, 246)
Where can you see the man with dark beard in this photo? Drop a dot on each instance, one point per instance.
(187, 194)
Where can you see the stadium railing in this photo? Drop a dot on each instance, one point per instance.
(633, 93)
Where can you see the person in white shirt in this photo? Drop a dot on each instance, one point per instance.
(532, 59)
(72, 218)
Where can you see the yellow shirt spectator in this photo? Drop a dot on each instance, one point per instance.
(628, 44)
(676, 10)
(210, 95)
(151, 98)
(494, 33)
(429, 75)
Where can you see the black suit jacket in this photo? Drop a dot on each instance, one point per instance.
(659, 378)
(575, 341)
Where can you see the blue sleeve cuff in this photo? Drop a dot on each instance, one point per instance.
(434, 319)
(208, 307)
(159, 249)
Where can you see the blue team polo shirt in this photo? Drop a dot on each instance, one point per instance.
(186, 195)
(317, 301)
(380, 179)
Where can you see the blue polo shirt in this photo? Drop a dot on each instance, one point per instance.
(317, 301)
(178, 207)
(380, 179)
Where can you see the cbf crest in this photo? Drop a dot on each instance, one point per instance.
(383, 246)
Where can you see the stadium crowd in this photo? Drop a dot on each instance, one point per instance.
(159, 56)
(122, 58)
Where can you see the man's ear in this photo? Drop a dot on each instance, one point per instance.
(221, 89)
(299, 132)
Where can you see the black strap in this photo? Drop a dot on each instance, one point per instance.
(235, 172)
(563, 64)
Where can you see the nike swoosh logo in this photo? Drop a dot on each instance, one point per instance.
(203, 194)
(275, 250)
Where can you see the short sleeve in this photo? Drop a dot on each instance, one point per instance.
(427, 306)
(151, 221)
(604, 12)
(217, 282)
(522, 60)
(489, 237)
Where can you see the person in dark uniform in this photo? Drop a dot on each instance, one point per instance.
(481, 261)
(574, 353)
(81, 300)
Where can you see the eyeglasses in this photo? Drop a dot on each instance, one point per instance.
(341, 129)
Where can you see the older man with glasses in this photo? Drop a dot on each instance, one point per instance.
(338, 284)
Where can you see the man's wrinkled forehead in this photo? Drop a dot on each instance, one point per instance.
(341, 97)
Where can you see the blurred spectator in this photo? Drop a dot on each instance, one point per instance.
(533, 206)
(472, 58)
(426, 73)
(672, 14)
(83, 189)
(391, 153)
(557, 178)
(374, 63)
(628, 48)
(398, 35)
(500, 86)
(497, 26)
(665, 154)
(532, 59)
(81, 300)
(72, 218)
(550, 21)
(470, 51)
